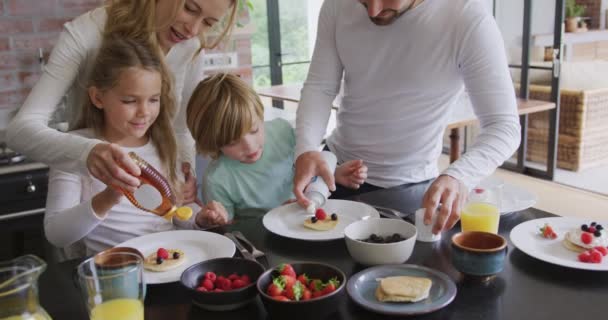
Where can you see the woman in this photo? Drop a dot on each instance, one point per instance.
(176, 27)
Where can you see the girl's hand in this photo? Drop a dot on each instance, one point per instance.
(189, 192)
(111, 165)
(351, 174)
(105, 200)
(213, 214)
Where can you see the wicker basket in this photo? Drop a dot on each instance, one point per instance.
(583, 128)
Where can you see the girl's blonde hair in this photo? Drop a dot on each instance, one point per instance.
(221, 110)
(115, 56)
(136, 19)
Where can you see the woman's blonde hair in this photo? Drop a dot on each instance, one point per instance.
(221, 110)
(116, 56)
(136, 19)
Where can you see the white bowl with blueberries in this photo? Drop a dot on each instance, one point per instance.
(379, 241)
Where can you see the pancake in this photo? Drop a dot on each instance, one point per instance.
(403, 289)
(321, 225)
(168, 264)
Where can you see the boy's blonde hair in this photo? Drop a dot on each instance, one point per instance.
(221, 110)
(115, 56)
(136, 19)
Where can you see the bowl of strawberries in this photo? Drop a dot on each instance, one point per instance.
(222, 284)
(302, 290)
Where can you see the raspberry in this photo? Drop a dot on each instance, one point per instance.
(202, 289)
(238, 283)
(208, 284)
(602, 250)
(233, 277)
(245, 278)
(162, 253)
(591, 229)
(586, 237)
(320, 214)
(210, 275)
(584, 257)
(596, 256)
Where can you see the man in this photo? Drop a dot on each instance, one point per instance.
(404, 65)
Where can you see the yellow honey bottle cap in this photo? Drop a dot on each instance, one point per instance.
(183, 213)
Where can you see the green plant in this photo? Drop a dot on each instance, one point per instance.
(573, 9)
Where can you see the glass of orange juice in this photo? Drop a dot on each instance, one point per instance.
(482, 210)
(113, 288)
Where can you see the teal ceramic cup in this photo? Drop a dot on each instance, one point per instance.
(479, 254)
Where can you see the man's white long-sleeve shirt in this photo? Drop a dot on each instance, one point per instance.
(401, 84)
(67, 74)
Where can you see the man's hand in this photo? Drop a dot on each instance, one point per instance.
(213, 214)
(451, 194)
(189, 186)
(351, 174)
(111, 165)
(308, 165)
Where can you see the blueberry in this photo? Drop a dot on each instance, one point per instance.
(176, 255)
(599, 227)
(159, 260)
(584, 227)
(313, 219)
(597, 233)
(334, 216)
(593, 224)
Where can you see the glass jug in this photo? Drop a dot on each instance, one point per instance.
(19, 289)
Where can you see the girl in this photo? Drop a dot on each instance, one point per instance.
(131, 105)
(177, 28)
(252, 170)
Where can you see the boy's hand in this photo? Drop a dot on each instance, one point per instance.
(351, 174)
(213, 214)
(189, 186)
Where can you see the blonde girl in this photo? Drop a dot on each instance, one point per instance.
(130, 105)
(176, 28)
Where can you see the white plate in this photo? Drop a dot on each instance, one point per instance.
(513, 198)
(288, 220)
(526, 238)
(197, 245)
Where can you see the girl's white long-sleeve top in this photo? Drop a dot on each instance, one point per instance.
(69, 215)
(66, 74)
(401, 84)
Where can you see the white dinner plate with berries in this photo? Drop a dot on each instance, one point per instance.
(288, 220)
(196, 245)
(528, 238)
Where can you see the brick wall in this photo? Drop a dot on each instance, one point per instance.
(28, 25)
(25, 27)
(593, 11)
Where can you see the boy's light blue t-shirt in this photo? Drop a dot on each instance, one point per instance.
(254, 189)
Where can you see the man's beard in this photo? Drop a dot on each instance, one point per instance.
(384, 21)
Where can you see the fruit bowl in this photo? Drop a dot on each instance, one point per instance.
(226, 300)
(314, 308)
(370, 253)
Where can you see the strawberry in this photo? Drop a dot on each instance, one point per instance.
(303, 278)
(320, 214)
(287, 269)
(275, 288)
(547, 232)
(238, 283)
(245, 278)
(294, 292)
(280, 298)
(602, 250)
(596, 256)
(162, 253)
(315, 285)
(584, 257)
(331, 286)
(586, 237)
(210, 275)
(306, 294)
(288, 281)
(208, 284)
(317, 293)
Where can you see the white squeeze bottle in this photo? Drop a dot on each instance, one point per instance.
(317, 190)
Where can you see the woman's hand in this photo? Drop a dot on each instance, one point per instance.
(213, 214)
(105, 201)
(111, 165)
(351, 174)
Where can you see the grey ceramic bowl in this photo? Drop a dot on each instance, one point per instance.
(479, 254)
(227, 300)
(316, 308)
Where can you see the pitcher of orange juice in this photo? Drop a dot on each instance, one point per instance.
(19, 289)
(482, 210)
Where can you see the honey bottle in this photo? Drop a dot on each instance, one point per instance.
(154, 193)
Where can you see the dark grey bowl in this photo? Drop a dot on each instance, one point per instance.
(228, 300)
(317, 308)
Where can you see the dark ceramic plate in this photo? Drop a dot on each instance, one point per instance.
(362, 287)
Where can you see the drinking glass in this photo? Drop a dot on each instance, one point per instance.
(482, 210)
